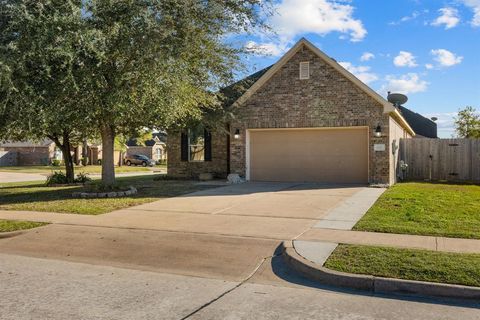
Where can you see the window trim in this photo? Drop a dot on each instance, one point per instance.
(189, 150)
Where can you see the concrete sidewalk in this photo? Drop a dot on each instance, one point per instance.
(318, 242)
(392, 240)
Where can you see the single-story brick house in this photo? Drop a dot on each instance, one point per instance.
(154, 148)
(305, 118)
(26, 153)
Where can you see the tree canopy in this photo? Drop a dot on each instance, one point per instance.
(119, 66)
(40, 49)
(467, 123)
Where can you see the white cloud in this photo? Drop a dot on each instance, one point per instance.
(264, 49)
(446, 58)
(429, 66)
(405, 59)
(475, 6)
(361, 72)
(448, 17)
(317, 16)
(408, 83)
(413, 16)
(367, 56)
(293, 18)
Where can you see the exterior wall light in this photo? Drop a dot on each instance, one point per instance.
(378, 131)
(236, 136)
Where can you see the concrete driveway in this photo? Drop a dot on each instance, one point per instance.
(279, 211)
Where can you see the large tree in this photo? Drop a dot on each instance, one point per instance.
(467, 123)
(40, 49)
(154, 63)
(116, 65)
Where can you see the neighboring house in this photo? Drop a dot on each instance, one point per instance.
(305, 118)
(26, 153)
(154, 148)
(423, 127)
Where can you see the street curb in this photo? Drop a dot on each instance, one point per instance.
(5, 235)
(371, 283)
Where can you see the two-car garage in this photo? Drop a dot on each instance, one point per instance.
(334, 155)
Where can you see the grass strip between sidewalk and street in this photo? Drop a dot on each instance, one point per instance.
(434, 209)
(35, 196)
(410, 264)
(11, 225)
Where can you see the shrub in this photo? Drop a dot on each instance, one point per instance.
(82, 177)
(56, 163)
(57, 177)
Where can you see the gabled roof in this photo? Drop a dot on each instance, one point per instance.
(422, 126)
(26, 144)
(237, 89)
(267, 73)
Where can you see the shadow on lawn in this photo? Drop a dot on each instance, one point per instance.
(23, 194)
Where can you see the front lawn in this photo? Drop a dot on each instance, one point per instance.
(11, 225)
(87, 169)
(35, 196)
(422, 265)
(436, 209)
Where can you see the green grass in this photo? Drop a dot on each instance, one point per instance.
(450, 210)
(88, 169)
(422, 265)
(35, 196)
(10, 225)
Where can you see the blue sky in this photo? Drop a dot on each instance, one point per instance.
(429, 50)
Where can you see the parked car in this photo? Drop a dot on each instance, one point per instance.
(139, 159)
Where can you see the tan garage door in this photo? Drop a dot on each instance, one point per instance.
(323, 155)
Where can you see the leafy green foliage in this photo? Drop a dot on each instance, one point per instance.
(41, 46)
(57, 177)
(467, 123)
(116, 67)
(82, 177)
(56, 163)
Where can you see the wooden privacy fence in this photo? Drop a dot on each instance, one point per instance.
(440, 159)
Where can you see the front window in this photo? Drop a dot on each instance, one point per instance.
(196, 144)
(159, 154)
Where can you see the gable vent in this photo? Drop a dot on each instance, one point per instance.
(304, 70)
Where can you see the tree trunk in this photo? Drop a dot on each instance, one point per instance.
(68, 160)
(108, 169)
(85, 158)
(66, 149)
(120, 160)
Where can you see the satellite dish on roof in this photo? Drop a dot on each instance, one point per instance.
(397, 99)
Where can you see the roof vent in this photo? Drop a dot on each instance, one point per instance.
(304, 70)
(397, 99)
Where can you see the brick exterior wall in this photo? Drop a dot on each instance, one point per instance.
(327, 99)
(29, 156)
(186, 169)
(149, 151)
